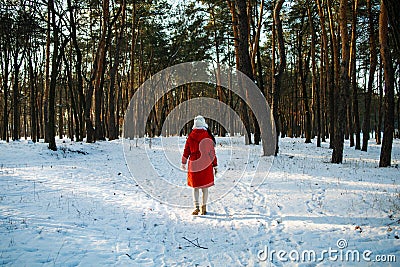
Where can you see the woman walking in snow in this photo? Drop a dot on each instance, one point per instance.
(202, 166)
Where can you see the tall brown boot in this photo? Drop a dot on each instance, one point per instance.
(203, 210)
(196, 211)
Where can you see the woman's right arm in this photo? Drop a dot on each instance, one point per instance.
(186, 152)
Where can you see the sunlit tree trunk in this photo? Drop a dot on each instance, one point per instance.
(386, 150)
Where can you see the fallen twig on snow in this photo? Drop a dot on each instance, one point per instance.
(196, 245)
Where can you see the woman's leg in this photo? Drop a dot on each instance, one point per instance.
(196, 201)
(205, 196)
(204, 202)
(196, 194)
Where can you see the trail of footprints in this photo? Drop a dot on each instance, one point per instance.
(316, 203)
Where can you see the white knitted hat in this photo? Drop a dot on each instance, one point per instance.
(200, 122)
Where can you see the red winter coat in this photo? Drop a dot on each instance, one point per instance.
(199, 149)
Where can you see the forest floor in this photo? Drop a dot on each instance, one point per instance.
(80, 206)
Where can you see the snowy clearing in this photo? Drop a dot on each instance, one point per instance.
(80, 206)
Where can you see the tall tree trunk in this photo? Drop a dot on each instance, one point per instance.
(25, 123)
(99, 73)
(275, 100)
(93, 83)
(314, 76)
(135, 28)
(373, 61)
(60, 115)
(303, 71)
(240, 25)
(335, 86)
(386, 150)
(328, 73)
(258, 52)
(378, 128)
(112, 124)
(47, 76)
(56, 59)
(296, 109)
(81, 103)
(254, 46)
(74, 108)
(349, 126)
(255, 52)
(53, 81)
(6, 72)
(337, 154)
(353, 71)
(16, 96)
(393, 8)
(257, 65)
(244, 59)
(219, 89)
(32, 102)
(334, 92)
(71, 114)
(322, 95)
(90, 136)
(277, 78)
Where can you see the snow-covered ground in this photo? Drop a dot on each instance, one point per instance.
(80, 206)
